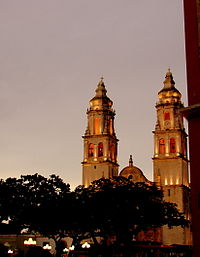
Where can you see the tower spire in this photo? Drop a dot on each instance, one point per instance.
(100, 141)
(101, 82)
(169, 94)
(131, 161)
(169, 81)
(170, 155)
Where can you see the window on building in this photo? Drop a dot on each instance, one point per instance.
(112, 152)
(162, 146)
(91, 150)
(96, 125)
(166, 116)
(184, 146)
(111, 126)
(100, 149)
(172, 145)
(130, 177)
(168, 192)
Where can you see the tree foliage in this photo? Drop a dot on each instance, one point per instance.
(108, 207)
(118, 207)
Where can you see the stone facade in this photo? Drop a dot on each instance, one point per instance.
(170, 161)
(100, 141)
(170, 157)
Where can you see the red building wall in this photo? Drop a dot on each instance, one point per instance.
(192, 41)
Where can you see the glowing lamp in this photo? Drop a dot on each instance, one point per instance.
(71, 248)
(47, 247)
(86, 245)
(30, 241)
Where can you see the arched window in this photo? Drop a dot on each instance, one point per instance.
(112, 152)
(172, 145)
(91, 150)
(162, 146)
(111, 126)
(100, 149)
(130, 176)
(166, 116)
(97, 126)
(184, 146)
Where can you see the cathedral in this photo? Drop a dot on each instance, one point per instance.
(170, 161)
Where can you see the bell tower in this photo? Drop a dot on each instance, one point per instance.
(100, 141)
(170, 159)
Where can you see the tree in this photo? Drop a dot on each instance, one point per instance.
(3, 251)
(108, 208)
(118, 207)
(34, 203)
(38, 251)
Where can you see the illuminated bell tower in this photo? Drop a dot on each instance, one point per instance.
(170, 156)
(100, 141)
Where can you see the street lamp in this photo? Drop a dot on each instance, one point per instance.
(71, 248)
(86, 245)
(47, 247)
(65, 250)
(30, 242)
(10, 252)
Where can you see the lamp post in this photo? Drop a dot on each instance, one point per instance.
(30, 242)
(65, 252)
(47, 247)
(71, 248)
(10, 252)
(86, 245)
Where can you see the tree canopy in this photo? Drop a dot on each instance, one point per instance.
(118, 207)
(108, 207)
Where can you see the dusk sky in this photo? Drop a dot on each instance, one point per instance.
(52, 55)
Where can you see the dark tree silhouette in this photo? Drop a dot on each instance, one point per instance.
(118, 207)
(38, 251)
(34, 203)
(108, 208)
(3, 251)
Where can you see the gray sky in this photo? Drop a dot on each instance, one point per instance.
(52, 55)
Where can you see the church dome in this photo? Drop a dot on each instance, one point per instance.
(134, 173)
(101, 101)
